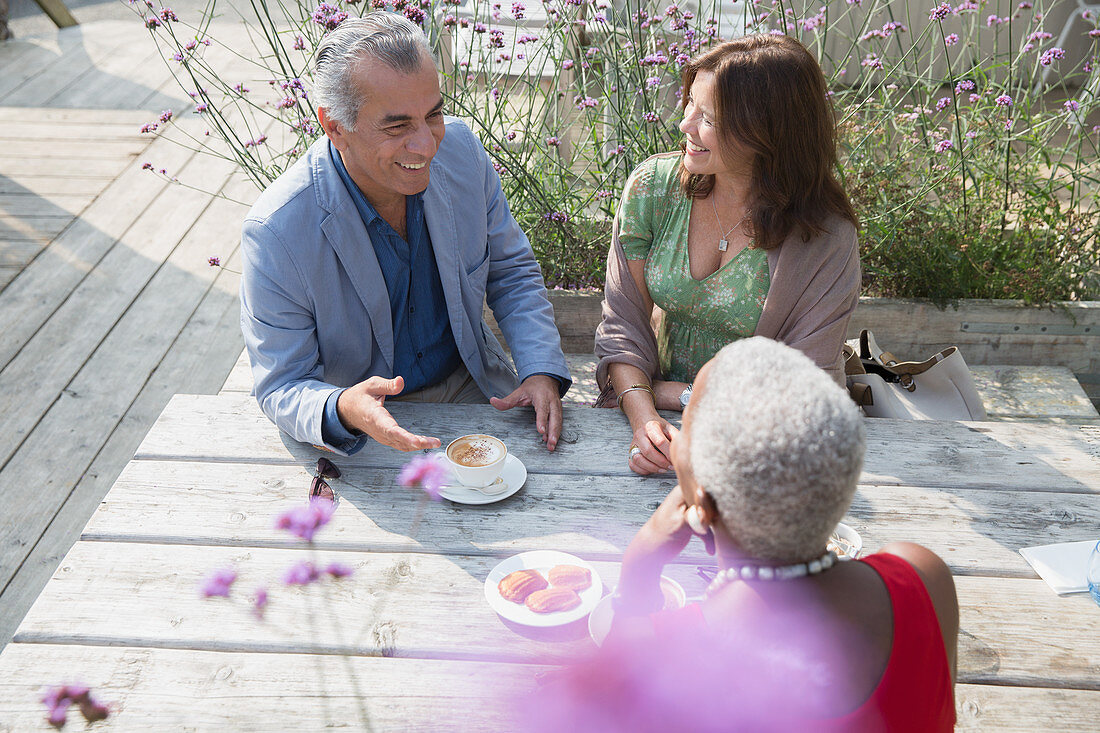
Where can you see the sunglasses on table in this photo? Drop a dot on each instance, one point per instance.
(319, 487)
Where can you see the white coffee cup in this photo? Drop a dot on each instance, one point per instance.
(476, 459)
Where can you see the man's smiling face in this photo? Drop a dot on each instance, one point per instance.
(397, 133)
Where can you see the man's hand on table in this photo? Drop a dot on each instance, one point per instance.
(540, 392)
(361, 407)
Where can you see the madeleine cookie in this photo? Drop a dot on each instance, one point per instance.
(553, 599)
(517, 586)
(570, 576)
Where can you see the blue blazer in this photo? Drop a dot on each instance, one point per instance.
(314, 306)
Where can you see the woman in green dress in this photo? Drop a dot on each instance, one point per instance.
(746, 231)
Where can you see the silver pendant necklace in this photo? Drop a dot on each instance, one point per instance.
(723, 243)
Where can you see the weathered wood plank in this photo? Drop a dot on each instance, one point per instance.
(18, 252)
(387, 608)
(31, 381)
(72, 153)
(164, 689)
(976, 532)
(14, 183)
(991, 455)
(84, 167)
(383, 609)
(35, 204)
(48, 281)
(195, 363)
(12, 133)
(240, 378)
(1034, 391)
(106, 371)
(33, 228)
(1025, 709)
(57, 116)
(75, 62)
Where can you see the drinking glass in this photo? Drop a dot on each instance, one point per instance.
(1093, 573)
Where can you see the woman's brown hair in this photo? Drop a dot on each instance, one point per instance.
(771, 100)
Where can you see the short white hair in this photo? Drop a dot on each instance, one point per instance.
(778, 446)
(385, 37)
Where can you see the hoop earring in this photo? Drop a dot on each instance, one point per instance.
(694, 518)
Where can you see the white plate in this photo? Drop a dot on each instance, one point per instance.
(849, 536)
(599, 621)
(541, 560)
(513, 476)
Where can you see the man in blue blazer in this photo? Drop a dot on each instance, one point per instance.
(367, 263)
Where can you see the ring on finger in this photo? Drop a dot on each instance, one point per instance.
(634, 450)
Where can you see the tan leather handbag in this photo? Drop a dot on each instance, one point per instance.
(938, 388)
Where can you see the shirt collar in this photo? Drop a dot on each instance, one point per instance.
(366, 209)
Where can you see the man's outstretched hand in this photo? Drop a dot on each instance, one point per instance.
(361, 407)
(540, 392)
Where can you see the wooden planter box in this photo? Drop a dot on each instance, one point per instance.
(986, 331)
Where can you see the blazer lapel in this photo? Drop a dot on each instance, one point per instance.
(439, 216)
(345, 232)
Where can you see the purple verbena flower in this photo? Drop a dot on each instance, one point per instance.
(241, 88)
(1050, 55)
(166, 115)
(329, 16)
(149, 127)
(650, 117)
(1003, 101)
(567, 64)
(604, 194)
(178, 57)
(943, 103)
(416, 15)
(966, 85)
(1094, 33)
(218, 583)
(527, 38)
(201, 108)
(303, 520)
(517, 10)
(301, 573)
(259, 602)
(147, 166)
(940, 12)
(553, 141)
(951, 39)
(152, 22)
(480, 27)
(556, 216)
(213, 261)
(299, 43)
(338, 570)
(428, 472)
(167, 14)
(1071, 105)
(944, 145)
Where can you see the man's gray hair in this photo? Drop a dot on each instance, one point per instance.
(388, 38)
(778, 445)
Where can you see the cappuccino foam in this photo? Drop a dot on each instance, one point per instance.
(476, 450)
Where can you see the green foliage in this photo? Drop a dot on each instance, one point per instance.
(965, 137)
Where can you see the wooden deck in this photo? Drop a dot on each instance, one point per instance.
(107, 304)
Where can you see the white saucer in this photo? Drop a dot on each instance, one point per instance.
(541, 560)
(512, 478)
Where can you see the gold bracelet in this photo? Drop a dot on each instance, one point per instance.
(633, 388)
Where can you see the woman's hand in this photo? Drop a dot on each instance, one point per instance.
(653, 438)
(660, 540)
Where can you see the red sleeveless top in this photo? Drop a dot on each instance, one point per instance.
(915, 692)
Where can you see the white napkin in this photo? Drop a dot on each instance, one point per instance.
(1062, 566)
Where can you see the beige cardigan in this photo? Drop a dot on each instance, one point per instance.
(814, 289)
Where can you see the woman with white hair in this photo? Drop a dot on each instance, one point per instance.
(767, 462)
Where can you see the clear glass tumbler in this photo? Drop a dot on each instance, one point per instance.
(1093, 573)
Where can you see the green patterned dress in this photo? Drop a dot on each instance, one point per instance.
(701, 316)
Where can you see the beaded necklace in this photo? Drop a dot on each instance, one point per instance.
(771, 572)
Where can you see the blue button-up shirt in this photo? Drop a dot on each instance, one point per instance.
(424, 348)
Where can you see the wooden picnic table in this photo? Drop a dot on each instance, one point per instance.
(409, 642)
